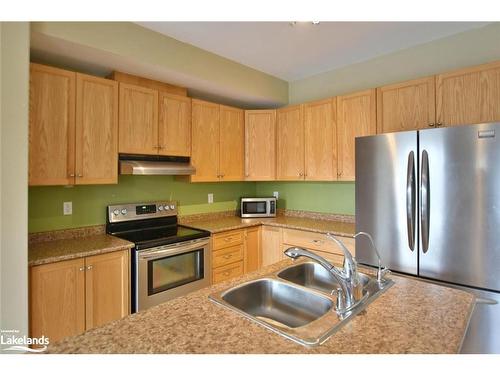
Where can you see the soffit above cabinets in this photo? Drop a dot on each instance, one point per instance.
(296, 50)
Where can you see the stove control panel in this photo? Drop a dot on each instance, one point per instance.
(138, 211)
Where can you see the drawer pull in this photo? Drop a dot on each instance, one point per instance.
(228, 239)
(227, 273)
(227, 256)
(317, 241)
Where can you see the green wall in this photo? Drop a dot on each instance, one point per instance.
(329, 197)
(89, 202)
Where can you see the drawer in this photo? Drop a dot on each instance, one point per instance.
(226, 256)
(310, 240)
(227, 239)
(227, 272)
(316, 241)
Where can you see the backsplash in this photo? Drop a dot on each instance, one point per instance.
(326, 197)
(45, 203)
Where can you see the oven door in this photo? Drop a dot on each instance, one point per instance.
(170, 271)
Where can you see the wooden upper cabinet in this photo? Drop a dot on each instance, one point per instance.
(138, 120)
(320, 140)
(356, 117)
(106, 288)
(231, 144)
(96, 130)
(260, 145)
(51, 126)
(469, 96)
(57, 299)
(174, 128)
(205, 141)
(290, 143)
(406, 106)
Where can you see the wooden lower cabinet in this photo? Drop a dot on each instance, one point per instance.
(241, 251)
(253, 256)
(271, 245)
(68, 297)
(57, 299)
(234, 253)
(106, 288)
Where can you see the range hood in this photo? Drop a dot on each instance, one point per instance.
(155, 165)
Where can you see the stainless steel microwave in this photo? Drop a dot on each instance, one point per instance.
(258, 207)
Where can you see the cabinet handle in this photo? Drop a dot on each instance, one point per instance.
(301, 174)
(317, 241)
(228, 239)
(439, 124)
(71, 175)
(227, 273)
(81, 269)
(247, 175)
(227, 256)
(89, 268)
(79, 175)
(431, 124)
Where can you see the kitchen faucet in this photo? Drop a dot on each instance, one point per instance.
(350, 292)
(381, 270)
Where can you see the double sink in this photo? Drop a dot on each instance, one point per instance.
(298, 302)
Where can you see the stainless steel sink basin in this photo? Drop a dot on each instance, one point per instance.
(314, 276)
(278, 303)
(297, 302)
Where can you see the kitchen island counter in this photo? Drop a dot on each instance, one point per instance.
(410, 317)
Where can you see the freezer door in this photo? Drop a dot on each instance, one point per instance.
(386, 205)
(460, 205)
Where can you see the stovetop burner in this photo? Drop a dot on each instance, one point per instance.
(149, 224)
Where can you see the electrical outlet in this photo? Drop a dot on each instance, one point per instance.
(276, 194)
(210, 198)
(68, 208)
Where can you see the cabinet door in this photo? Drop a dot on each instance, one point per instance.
(57, 299)
(290, 143)
(205, 141)
(252, 249)
(96, 130)
(106, 288)
(138, 120)
(260, 145)
(469, 96)
(406, 106)
(51, 126)
(271, 245)
(174, 128)
(232, 144)
(320, 140)
(356, 116)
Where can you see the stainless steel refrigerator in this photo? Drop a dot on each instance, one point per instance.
(431, 200)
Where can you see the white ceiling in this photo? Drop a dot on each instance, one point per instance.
(295, 52)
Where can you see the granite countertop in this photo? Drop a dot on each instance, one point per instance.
(410, 317)
(222, 224)
(72, 248)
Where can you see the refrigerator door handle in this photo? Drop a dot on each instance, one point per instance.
(410, 200)
(425, 201)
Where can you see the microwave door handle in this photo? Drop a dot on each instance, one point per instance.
(425, 202)
(410, 200)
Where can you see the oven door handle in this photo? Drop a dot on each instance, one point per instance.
(171, 250)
